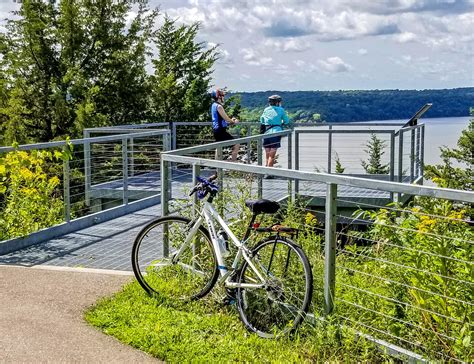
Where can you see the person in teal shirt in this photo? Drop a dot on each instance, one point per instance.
(273, 119)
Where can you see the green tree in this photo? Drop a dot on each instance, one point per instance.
(339, 168)
(74, 64)
(183, 69)
(375, 150)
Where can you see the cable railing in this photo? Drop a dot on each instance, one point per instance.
(81, 182)
(400, 274)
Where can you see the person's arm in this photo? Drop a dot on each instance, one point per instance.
(226, 117)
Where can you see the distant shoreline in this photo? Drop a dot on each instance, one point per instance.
(363, 105)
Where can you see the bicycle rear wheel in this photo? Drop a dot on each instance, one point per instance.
(191, 276)
(280, 306)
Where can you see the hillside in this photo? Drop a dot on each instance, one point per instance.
(353, 105)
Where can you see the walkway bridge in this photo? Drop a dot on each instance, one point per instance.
(119, 178)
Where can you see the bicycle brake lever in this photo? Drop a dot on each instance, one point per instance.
(193, 190)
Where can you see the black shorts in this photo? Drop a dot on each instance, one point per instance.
(273, 142)
(221, 135)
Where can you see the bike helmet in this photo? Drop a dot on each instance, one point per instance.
(215, 94)
(274, 99)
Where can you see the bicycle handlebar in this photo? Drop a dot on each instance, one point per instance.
(205, 186)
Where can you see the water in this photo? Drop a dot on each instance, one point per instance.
(351, 148)
(441, 132)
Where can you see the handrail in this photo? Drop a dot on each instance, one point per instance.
(397, 187)
(83, 141)
(209, 146)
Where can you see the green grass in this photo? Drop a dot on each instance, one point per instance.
(205, 331)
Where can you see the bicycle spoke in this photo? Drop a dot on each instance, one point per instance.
(161, 271)
(282, 304)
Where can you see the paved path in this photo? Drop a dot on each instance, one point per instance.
(41, 317)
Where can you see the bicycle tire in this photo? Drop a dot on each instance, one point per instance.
(275, 310)
(192, 277)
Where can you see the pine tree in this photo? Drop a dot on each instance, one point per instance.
(375, 150)
(339, 168)
(183, 70)
(73, 64)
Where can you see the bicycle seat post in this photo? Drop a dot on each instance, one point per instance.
(250, 226)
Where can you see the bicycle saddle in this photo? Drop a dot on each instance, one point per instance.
(262, 206)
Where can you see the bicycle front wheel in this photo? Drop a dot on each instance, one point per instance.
(281, 305)
(191, 276)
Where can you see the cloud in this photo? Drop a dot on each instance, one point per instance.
(254, 58)
(299, 63)
(334, 65)
(405, 37)
(280, 28)
(387, 7)
(362, 51)
(288, 45)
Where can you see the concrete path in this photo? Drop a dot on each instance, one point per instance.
(41, 317)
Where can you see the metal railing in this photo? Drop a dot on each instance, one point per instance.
(388, 273)
(105, 177)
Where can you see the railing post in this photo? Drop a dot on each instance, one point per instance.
(173, 136)
(412, 156)
(131, 158)
(167, 146)
(125, 170)
(259, 162)
(400, 155)
(329, 148)
(249, 145)
(330, 248)
(87, 168)
(417, 151)
(422, 151)
(297, 159)
(220, 179)
(398, 196)
(67, 191)
(164, 202)
(392, 160)
(290, 164)
(196, 171)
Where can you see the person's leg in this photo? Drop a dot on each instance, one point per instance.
(217, 138)
(235, 151)
(267, 152)
(271, 157)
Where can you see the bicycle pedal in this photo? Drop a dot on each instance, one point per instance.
(228, 301)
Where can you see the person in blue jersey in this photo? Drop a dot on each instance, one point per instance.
(220, 121)
(273, 119)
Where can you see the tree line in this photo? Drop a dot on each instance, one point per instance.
(69, 65)
(359, 105)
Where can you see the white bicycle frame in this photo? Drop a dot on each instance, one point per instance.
(207, 214)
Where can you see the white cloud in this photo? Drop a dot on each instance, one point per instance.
(300, 63)
(362, 51)
(334, 65)
(288, 45)
(405, 37)
(254, 58)
(225, 58)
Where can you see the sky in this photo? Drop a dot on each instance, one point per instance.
(332, 44)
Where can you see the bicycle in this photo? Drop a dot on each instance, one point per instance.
(179, 258)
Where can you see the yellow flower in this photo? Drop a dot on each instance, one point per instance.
(26, 174)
